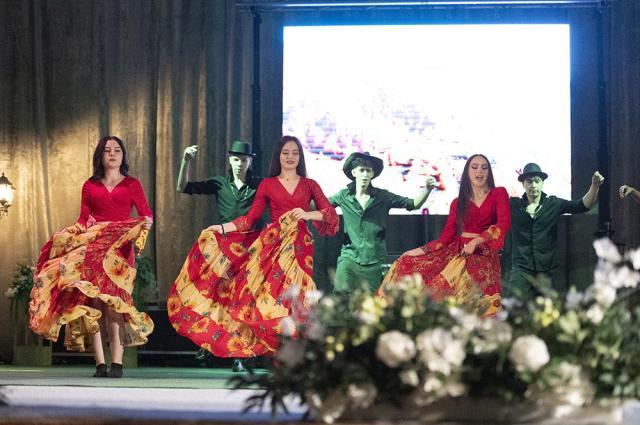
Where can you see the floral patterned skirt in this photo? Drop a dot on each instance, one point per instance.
(76, 269)
(472, 279)
(234, 289)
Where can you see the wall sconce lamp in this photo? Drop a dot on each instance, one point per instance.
(6, 195)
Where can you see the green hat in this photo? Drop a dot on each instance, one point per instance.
(376, 163)
(532, 169)
(241, 148)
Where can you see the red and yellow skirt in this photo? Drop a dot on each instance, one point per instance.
(473, 279)
(79, 266)
(232, 290)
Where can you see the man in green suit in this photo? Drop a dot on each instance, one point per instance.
(365, 211)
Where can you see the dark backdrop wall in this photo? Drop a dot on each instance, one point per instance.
(165, 74)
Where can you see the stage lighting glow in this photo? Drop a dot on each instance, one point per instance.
(425, 97)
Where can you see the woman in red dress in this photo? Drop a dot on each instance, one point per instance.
(463, 262)
(237, 284)
(85, 273)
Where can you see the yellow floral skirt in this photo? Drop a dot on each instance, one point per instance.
(234, 289)
(77, 269)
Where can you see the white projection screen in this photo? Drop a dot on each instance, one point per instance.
(425, 97)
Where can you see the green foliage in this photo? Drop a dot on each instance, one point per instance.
(145, 283)
(20, 287)
(349, 351)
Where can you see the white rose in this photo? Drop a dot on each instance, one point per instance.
(328, 303)
(288, 326)
(292, 292)
(494, 333)
(440, 351)
(574, 298)
(634, 257)
(312, 297)
(10, 292)
(573, 385)
(315, 331)
(367, 317)
(432, 385)
(410, 377)
(603, 273)
(329, 409)
(607, 250)
(624, 277)
(529, 353)
(570, 387)
(595, 314)
(394, 348)
(291, 353)
(467, 322)
(362, 396)
(454, 387)
(604, 295)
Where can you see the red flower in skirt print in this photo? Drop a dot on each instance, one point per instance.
(200, 326)
(237, 249)
(308, 240)
(237, 344)
(119, 269)
(270, 236)
(247, 313)
(308, 261)
(173, 305)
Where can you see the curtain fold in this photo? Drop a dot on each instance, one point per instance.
(162, 75)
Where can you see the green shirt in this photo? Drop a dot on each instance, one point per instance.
(533, 239)
(232, 202)
(364, 239)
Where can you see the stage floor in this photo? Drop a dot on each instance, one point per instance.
(149, 395)
(145, 395)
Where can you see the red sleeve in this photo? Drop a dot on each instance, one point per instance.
(244, 223)
(85, 208)
(139, 199)
(331, 222)
(494, 235)
(448, 232)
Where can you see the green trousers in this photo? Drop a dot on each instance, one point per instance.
(351, 275)
(526, 284)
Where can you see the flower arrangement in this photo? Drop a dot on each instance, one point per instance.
(350, 352)
(20, 287)
(145, 283)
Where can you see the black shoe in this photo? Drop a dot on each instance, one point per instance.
(115, 371)
(203, 354)
(238, 366)
(101, 371)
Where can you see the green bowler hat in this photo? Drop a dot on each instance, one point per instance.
(375, 162)
(241, 148)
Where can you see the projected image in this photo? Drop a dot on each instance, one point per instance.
(426, 97)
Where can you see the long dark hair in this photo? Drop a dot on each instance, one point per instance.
(98, 154)
(275, 168)
(466, 191)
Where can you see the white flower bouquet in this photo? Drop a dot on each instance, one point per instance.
(354, 351)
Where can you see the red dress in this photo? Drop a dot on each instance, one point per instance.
(445, 272)
(230, 295)
(78, 265)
